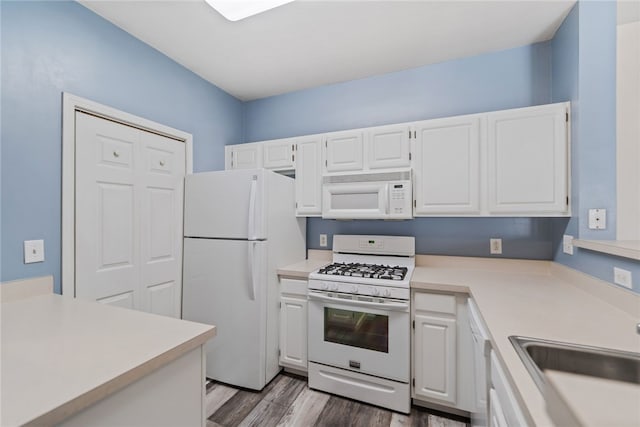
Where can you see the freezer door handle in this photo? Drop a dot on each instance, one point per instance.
(252, 275)
(251, 226)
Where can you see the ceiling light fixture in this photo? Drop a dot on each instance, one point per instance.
(235, 10)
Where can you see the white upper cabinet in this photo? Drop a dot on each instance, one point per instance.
(243, 156)
(344, 151)
(279, 154)
(388, 147)
(527, 161)
(446, 166)
(309, 176)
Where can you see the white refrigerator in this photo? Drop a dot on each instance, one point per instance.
(239, 227)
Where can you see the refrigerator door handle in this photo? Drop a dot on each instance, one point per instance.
(251, 226)
(252, 275)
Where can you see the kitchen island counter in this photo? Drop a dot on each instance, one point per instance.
(538, 299)
(61, 355)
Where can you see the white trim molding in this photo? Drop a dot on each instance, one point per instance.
(70, 104)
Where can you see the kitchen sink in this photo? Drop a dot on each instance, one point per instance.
(539, 355)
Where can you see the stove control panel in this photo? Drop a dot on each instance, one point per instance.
(360, 289)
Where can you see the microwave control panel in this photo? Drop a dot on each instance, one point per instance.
(399, 199)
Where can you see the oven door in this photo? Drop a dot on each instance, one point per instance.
(353, 332)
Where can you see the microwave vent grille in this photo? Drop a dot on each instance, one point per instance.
(367, 177)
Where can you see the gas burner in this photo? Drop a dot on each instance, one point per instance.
(371, 271)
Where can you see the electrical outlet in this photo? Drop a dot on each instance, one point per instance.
(33, 251)
(597, 219)
(495, 246)
(567, 244)
(323, 240)
(622, 277)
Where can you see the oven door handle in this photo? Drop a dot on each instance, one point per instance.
(395, 306)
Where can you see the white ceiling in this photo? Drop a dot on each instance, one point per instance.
(311, 43)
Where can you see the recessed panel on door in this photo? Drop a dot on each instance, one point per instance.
(115, 225)
(161, 218)
(162, 298)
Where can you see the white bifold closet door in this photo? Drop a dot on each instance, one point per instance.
(129, 208)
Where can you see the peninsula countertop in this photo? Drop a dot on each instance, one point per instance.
(60, 355)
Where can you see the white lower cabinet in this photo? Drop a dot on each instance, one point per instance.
(504, 409)
(442, 355)
(293, 324)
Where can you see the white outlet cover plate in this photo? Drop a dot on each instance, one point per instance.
(495, 246)
(323, 240)
(33, 251)
(622, 277)
(567, 244)
(597, 219)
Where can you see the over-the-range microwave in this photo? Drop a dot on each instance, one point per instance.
(382, 195)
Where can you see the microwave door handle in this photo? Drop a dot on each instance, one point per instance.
(251, 224)
(387, 188)
(396, 306)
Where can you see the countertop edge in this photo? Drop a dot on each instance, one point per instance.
(118, 383)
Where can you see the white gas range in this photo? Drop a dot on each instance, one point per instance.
(359, 320)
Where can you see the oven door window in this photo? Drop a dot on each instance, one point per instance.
(357, 329)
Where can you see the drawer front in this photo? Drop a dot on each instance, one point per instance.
(438, 303)
(293, 286)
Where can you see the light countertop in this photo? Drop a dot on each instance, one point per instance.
(538, 299)
(60, 355)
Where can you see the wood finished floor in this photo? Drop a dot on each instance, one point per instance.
(287, 401)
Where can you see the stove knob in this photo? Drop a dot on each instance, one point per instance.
(375, 292)
(354, 289)
(324, 286)
(334, 287)
(386, 293)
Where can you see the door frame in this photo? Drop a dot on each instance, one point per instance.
(70, 104)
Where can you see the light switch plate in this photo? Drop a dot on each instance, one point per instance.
(597, 219)
(33, 251)
(567, 244)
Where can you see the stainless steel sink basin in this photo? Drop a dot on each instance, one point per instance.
(539, 355)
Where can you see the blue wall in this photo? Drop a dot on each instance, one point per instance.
(584, 71)
(54, 47)
(507, 79)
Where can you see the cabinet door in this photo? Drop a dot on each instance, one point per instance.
(278, 155)
(388, 147)
(343, 151)
(447, 166)
(435, 358)
(527, 160)
(309, 177)
(293, 332)
(246, 156)
(496, 414)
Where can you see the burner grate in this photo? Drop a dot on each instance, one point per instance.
(369, 271)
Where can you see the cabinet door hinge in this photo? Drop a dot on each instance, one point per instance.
(280, 302)
(415, 204)
(292, 157)
(566, 117)
(413, 324)
(293, 147)
(414, 382)
(409, 156)
(296, 205)
(567, 200)
(415, 134)
(325, 163)
(279, 353)
(409, 133)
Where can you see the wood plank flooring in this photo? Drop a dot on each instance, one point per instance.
(287, 401)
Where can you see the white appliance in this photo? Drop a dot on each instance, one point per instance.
(481, 362)
(359, 320)
(382, 195)
(239, 227)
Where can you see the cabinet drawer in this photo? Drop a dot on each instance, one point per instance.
(438, 303)
(293, 286)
